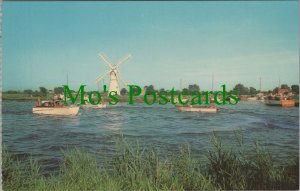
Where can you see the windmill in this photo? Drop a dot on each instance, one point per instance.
(113, 73)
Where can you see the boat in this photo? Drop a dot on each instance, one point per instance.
(193, 108)
(252, 98)
(212, 100)
(287, 103)
(232, 100)
(273, 101)
(54, 108)
(280, 101)
(101, 106)
(88, 105)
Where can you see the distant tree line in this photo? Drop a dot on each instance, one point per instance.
(42, 92)
(238, 89)
(293, 88)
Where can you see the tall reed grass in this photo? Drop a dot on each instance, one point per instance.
(135, 168)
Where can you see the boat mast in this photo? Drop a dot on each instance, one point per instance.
(67, 79)
(212, 82)
(180, 85)
(260, 84)
(278, 85)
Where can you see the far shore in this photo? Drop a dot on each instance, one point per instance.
(125, 98)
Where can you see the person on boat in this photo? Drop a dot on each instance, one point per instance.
(102, 102)
(38, 102)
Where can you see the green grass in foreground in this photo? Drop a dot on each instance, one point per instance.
(135, 169)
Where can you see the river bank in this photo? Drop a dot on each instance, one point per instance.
(135, 168)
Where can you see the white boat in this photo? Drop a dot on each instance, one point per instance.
(212, 100)
(252, 98)
(88, 105)
(101, 105)
(202, 109)
(55, 108)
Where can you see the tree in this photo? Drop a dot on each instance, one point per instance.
(162, 90)
(177, 92)
(12, 92)
(149, 89)
(123, 91)
(43, 91)
(252, 91)
(275, 90)
(58, 90)
(185, 91)
(295, 89)
(285, 86)
(28, 91)
(35, 93)
(240, 89)
(193, 88)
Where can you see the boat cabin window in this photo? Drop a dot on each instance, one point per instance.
(58, 103)
(46, 104)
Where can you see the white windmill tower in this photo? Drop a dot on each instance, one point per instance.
(113, 73)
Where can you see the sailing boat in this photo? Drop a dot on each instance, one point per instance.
(88, 105)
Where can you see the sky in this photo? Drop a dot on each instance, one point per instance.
(236, 42)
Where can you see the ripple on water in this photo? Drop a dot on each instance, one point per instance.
(160, 127)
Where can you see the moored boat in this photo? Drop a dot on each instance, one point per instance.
(252, 98)
(284, 102)
(54, 108)
(287, 103)
(202, 109)
(88, 105)
(273, 101)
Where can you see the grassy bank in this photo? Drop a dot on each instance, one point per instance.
(134, 168)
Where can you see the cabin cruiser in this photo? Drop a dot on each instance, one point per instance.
(272, 101)
(88, 105)
(252, 98)
(280, 101)
(197, 108)
(54, 108)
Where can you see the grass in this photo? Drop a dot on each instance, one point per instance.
(135, 168)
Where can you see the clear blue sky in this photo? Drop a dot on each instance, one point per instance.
(237, 41)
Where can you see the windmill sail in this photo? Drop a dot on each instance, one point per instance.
(113, 73)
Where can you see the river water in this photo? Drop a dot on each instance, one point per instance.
(158, 127)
